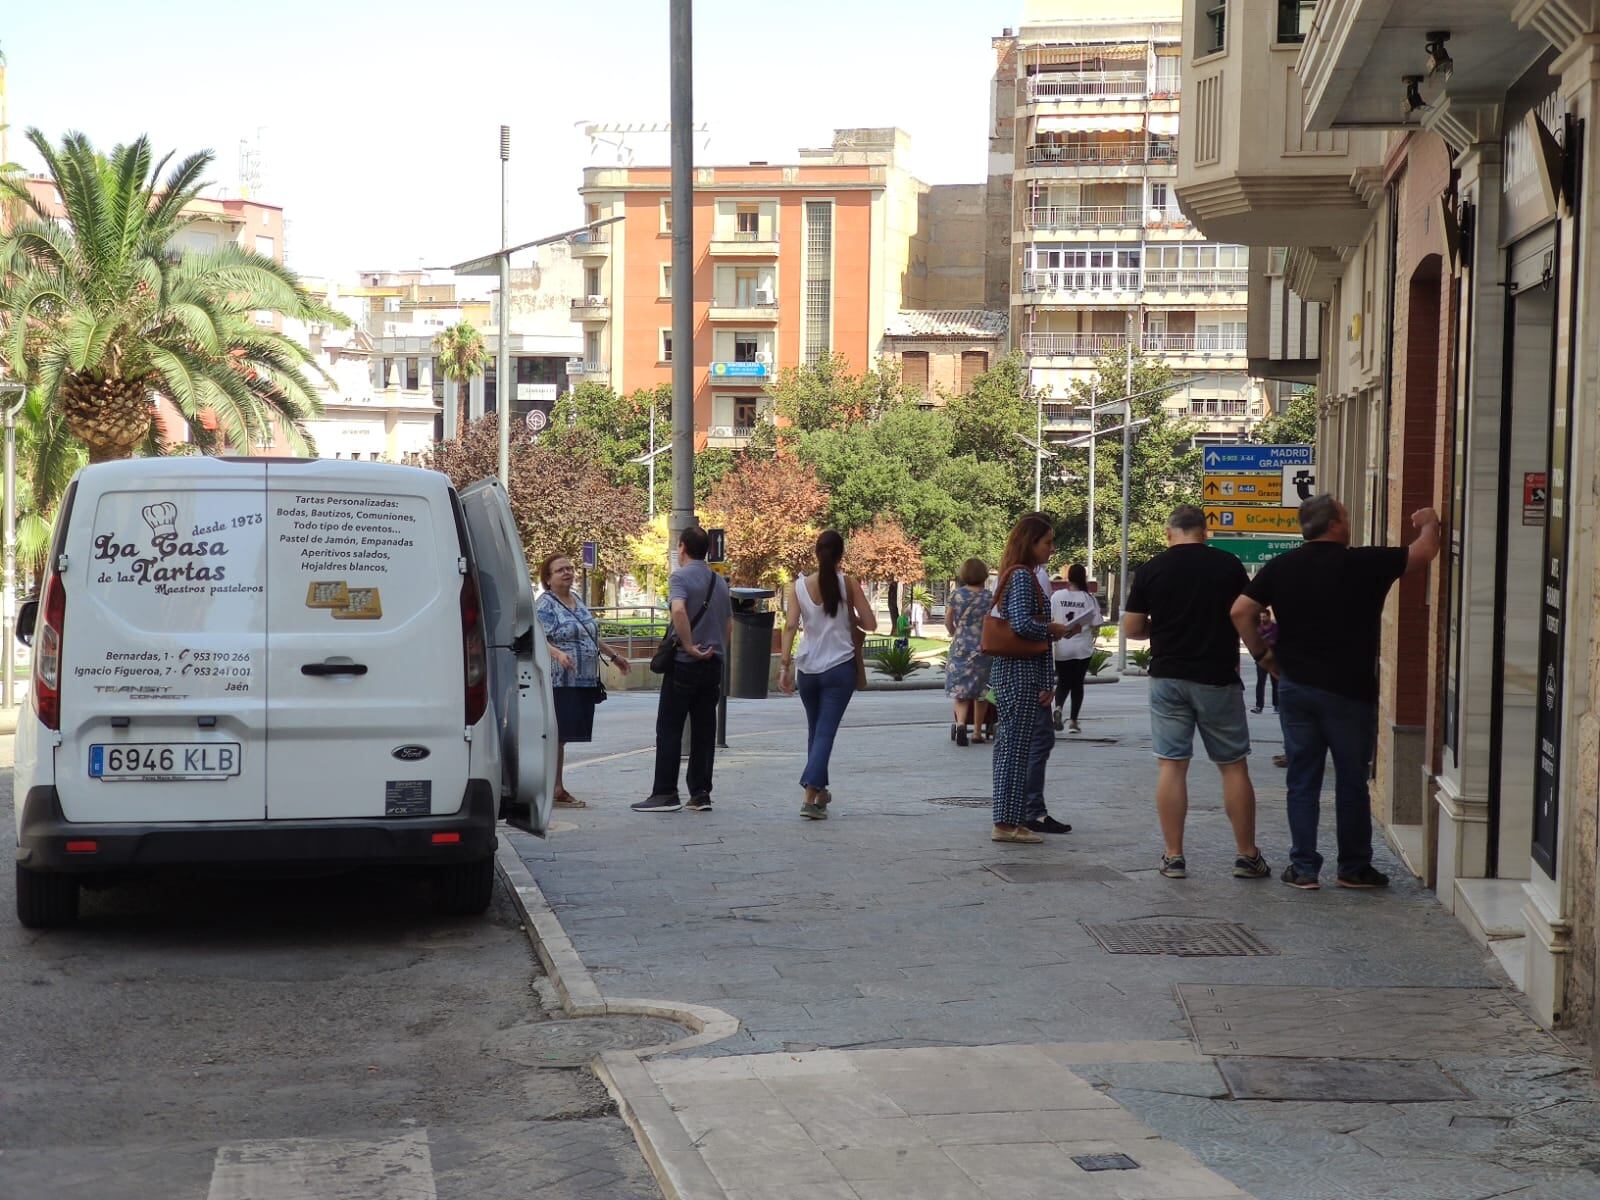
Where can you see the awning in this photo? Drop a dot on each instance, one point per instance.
(1096, 123)
(1164, 124)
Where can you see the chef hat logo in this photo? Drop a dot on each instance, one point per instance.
(162, 519)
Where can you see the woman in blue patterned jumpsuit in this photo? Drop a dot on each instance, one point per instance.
(1021, 684)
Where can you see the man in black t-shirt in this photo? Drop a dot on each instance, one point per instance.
(1181, 599)
(1328, 600)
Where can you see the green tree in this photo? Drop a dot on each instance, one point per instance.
(101, 313)
(1294, 424)
(462, 357)
(826, 395)
(613, 431)
(991, 421)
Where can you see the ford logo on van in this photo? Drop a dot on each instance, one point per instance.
(410, 753)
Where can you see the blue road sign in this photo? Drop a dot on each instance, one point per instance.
(1245, 458)
(591, 555)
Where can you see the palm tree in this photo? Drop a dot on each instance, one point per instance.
(462, 356)
(100, 313)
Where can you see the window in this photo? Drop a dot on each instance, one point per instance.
(746, 410)
(1214, 28)
(591, 351)
(1294, 19)
(746, 280)
(266, 218)
(817, 331)
(591, 281)
(438, 381)
(748, 222)
(914, 371)
(666, 282)
(666, 346)
(973, 364)
(266, 247)
(666, 216)
(380, 373)
(745, 347)
(413, 375)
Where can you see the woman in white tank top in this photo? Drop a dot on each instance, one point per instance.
(828, 605)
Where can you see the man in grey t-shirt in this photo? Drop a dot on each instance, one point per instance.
(702, 617)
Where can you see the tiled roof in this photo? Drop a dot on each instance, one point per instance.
(947, 323)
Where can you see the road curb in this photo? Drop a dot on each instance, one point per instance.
(671, 1156)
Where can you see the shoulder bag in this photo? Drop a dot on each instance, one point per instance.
(999, 639)
(858, 638)
(666, 655)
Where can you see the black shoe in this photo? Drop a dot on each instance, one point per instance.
(1048, 824)
(1256, 709)
(1366, 877)
(1296, 879)
(961, 735)
(953, 728)
(1251, 868)
(700, 803)
(658, 804)
(1173, 866)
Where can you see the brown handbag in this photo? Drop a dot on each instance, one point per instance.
(1002, 641)
(858, 636)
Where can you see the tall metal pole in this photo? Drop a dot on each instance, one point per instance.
(504, 388)
(681, 21)
(8, 626)
(1127, 446)
(652, 459)
(1038, 441)
(1094, 397)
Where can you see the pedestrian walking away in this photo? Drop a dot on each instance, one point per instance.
(1017, 634)
(702, 620)
(1328, 600)
(575, 646)
(1075, 608)
(967, 677)
(828, 607)
(1268, 629)
(1182, 600)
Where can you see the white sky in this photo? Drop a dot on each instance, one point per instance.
(380, 120)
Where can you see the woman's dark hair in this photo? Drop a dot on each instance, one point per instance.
(1078, 577)
(830, 549)
(974, 573)
(550, 560)
(1019, 546)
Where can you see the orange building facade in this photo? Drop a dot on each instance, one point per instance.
(791, 264)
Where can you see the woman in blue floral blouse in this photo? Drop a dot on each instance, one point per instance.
(575, 646)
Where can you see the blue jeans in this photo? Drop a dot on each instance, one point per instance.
(1316, 723)
(825, 695)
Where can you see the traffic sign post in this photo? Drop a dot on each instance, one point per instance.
(1245, 489)
(1251, 518)
(1254, 551)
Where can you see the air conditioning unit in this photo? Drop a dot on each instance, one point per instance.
(722, 431)
(764, 357)
(764, 297)
(595, 301)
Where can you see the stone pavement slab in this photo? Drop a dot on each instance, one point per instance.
(896, 927)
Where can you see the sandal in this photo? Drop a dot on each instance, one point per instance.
(565, 799)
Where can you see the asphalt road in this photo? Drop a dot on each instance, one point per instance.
(293, 1039)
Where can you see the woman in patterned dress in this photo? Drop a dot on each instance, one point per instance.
(1021, 684)
(967, 677)
(576, 648)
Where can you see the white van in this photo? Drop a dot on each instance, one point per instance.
(277, 662)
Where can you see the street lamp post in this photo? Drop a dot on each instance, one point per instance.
(681, 55)
(503, 387)
(1094, 393)
(8, 623)
(1127, 447)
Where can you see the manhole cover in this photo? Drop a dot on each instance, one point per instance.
(573, 1043)
(1196, 939)
(1105, 1162)
(1337, 1080)
(1017, 872)
(962, 801)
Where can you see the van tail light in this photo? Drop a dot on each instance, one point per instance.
(47, 653)
(475, 652)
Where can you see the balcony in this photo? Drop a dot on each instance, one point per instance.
(1065, 418)
(1079, 280)
(740, 374)
(1230, 344)
(743, 243)
(734, 309)
(591, 372)
(1218, 410)
(592, 243)
(1120, 153)
(729, 437)
(1196, 279)
(1078, 86)
(1086, 216)
(591, 308)
(1073, 345)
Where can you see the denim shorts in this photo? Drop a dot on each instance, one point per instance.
(1178, 705)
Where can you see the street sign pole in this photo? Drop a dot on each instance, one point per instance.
(1127, 450)
(681, 25)
(503, 387)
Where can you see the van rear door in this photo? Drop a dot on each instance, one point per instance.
(364, 643)
(163, 688)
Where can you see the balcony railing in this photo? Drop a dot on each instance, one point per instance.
(1216, 342)
(1070, 344)
(1057, 416)
(592, 237)
(1086, 216)
(1238, 409)
(1196, 279)
(1112, 153)
(1081, 279)
(726, 436)
(1087, 85)
(591, 308)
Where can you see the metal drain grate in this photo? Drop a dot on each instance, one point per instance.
(1197, 939)
(1105, 1162)
(962, 801)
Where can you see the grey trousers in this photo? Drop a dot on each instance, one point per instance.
(1039, 747)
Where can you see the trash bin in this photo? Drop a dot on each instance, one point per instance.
(750, 656)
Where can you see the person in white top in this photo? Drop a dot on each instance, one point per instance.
(1076, 608)
(829, 606)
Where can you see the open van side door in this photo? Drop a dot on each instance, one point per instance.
(519, 659)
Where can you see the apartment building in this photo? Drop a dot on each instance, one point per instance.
(1084, 154)
(791, 263)
(1427, 174)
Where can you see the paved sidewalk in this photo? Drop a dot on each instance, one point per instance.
(897, 928)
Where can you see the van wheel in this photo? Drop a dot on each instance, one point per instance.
(46, 900)
(464, 889)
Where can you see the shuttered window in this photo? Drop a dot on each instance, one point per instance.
(973, 364)
(914, 371)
